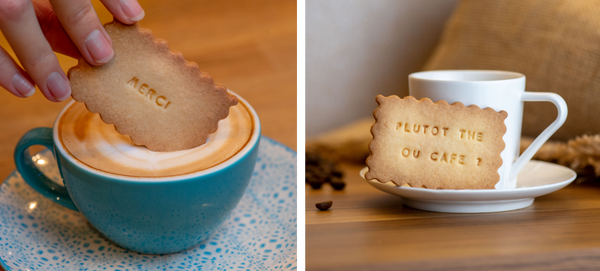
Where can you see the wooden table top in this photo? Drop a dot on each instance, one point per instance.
(247, 45)
(367, 229)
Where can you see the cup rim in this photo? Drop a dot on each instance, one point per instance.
(252, 143)
(427, 75)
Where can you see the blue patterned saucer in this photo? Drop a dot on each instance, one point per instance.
(260, 233)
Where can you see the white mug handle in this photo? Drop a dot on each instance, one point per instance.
(561, 105)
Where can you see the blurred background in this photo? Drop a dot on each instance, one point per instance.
(247, 45)
(357, 49)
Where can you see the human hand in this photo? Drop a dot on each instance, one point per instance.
(34, 28)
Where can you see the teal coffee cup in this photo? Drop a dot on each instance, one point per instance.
(145, 201)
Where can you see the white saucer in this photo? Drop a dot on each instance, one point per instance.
(536, 179)
(260, 233)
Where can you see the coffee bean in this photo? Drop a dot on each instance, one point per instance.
(323, 206)
(338, 186)
(321, 170)
(315, 185)
(319, 175)
(337, 183)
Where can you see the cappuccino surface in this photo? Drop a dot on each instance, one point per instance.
(97, 144)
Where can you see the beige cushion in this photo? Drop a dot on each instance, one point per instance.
(554, 43)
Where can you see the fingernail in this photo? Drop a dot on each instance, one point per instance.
(58, 86)
(99, 48)
(132, 10)
(22, 85)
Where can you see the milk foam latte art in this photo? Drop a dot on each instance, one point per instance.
(98, 145)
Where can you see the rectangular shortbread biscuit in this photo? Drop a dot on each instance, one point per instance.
(438, 146)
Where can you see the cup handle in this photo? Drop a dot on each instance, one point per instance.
(30, 173)
(561, 105)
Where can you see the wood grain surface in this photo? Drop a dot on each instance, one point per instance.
(367, 229)
(247, 45)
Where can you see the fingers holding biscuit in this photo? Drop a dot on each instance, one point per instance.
(19, 25)
(80, 21)
(126, 11)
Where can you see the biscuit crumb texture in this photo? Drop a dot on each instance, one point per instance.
(151, 94)
(435, 145)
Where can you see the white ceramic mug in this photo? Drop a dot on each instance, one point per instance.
(500, 90)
